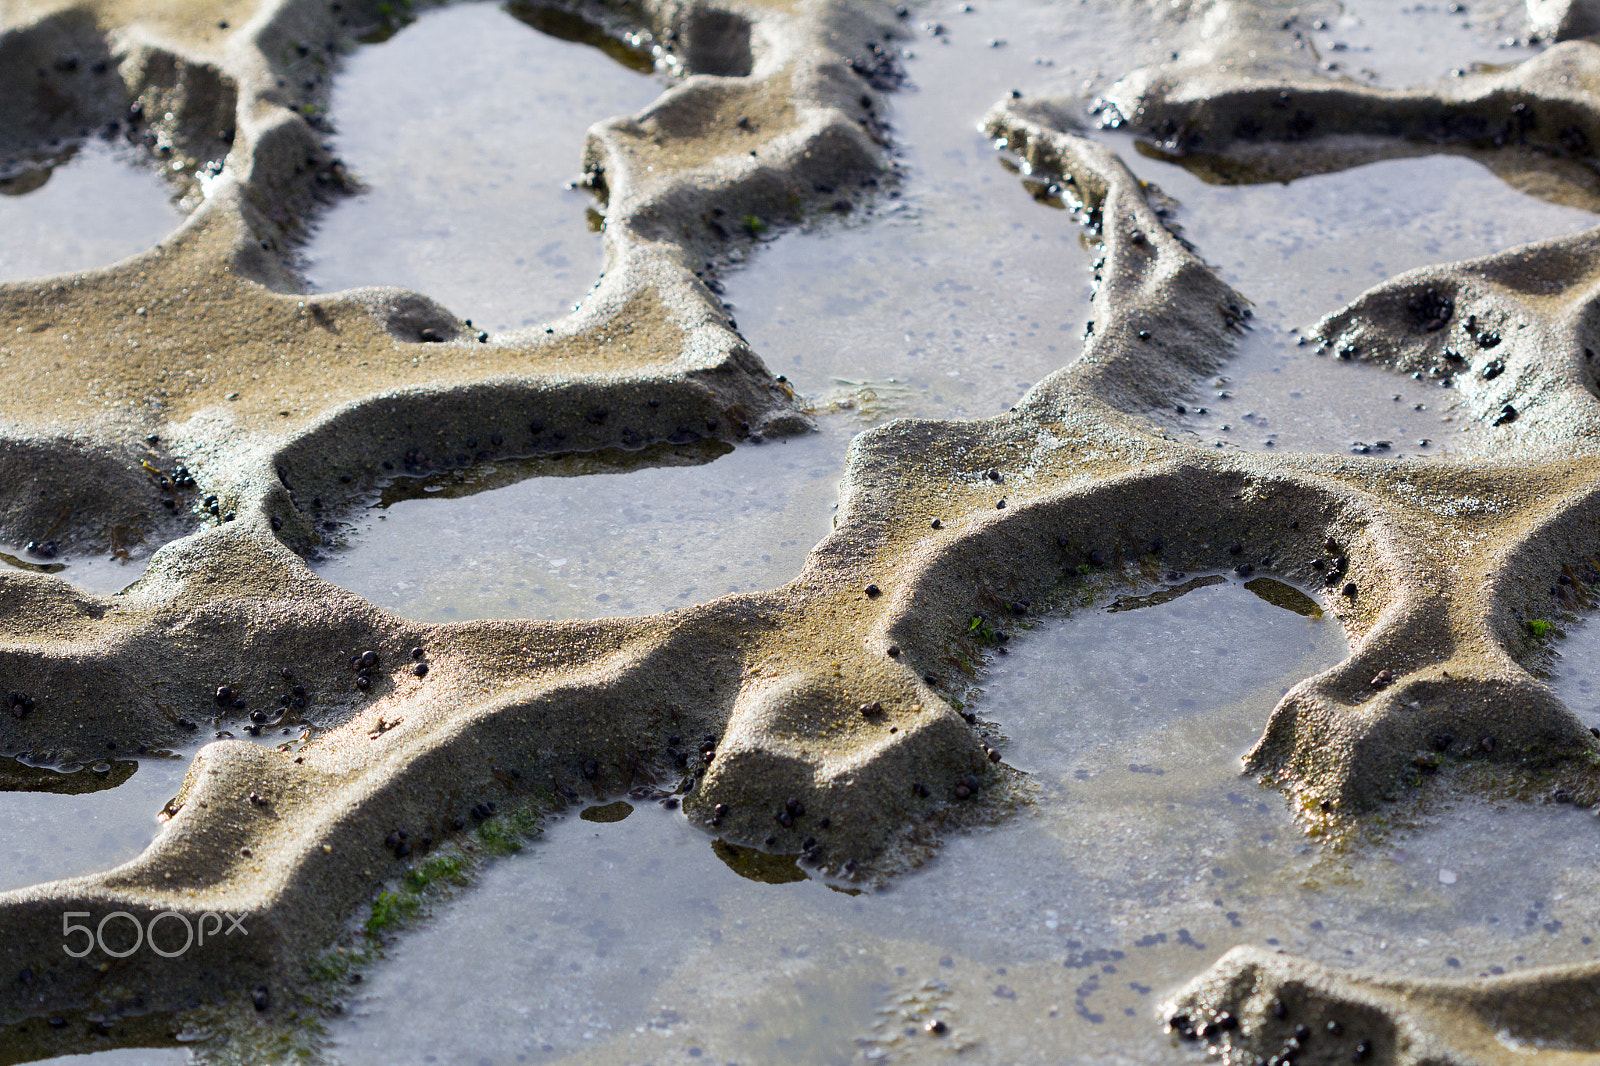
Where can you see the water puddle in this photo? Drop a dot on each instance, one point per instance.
(1143, 802)
(953, 299)
(1306, 248)
(626, 935)
(82, 818)
(1575, 643)
(870, 349)
(623, 937)
(624, 941)
(475, 214)
(88, 206)
(142, 1056)
(1276, 395)
(63, 822)
(947, 302)
(1402, 45)
(100, 575)
(670, 527)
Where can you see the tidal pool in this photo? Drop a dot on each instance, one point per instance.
(1050, 938)
(1159, 699)
(955, 298)
(1331, 237)
(1571, 673)
(955, 292)
(102, 575)
(89, 206)
(1400, 45)
(476, 214)
(672, 527)
(950, 296)
(63, 822)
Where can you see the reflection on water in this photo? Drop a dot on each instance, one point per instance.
(100, 575)
(63, 824)
(475, 213)
(596, 544)
(99, 204)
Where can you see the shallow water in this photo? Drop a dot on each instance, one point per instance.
(1163, 730)
(65, 821)
(1051, 937)
(1304, 248)
(476, 214)
(1400, 45)
(124, 1057)
(656, 540)
(653, 539)
(50, 835)
(1145, 858)
(1571, 673)
(954, 299)
(101, 575)
(1328, 238)
(102, 203)
(967, 291)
